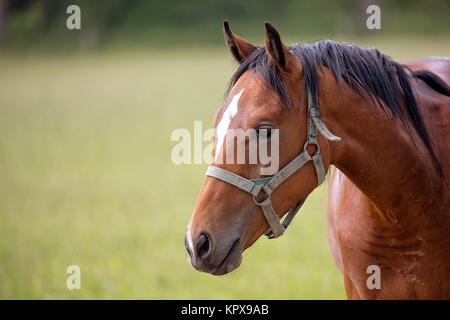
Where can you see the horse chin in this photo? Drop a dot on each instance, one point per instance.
(231, 261)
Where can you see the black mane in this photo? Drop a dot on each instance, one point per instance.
(373, 75)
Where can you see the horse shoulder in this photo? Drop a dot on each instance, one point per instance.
(346, 203)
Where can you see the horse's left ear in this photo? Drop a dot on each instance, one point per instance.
(276, 49)
(239, 48)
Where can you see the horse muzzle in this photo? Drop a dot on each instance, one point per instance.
(214, 257)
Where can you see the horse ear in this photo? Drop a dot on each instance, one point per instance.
(276, 49)
(239, 48)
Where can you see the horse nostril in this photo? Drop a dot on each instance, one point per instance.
(202, 246)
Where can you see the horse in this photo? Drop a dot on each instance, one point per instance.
(383, 125)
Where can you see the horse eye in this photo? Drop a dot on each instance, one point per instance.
(264, 132)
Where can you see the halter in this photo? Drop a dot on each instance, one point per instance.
(269, 184)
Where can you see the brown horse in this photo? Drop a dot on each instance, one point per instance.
(389, 195)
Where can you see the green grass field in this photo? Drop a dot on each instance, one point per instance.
(86, 178)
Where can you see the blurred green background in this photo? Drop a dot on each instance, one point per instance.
(85, 122)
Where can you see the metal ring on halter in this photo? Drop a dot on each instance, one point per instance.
(263, 203)
(307, 143)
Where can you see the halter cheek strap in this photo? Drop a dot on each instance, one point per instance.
(269, 184)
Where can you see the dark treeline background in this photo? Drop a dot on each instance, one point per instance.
(42, 23)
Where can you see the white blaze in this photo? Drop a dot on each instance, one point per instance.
(189, 238)
(224, 123)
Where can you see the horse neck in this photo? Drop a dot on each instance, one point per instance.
(394, 170)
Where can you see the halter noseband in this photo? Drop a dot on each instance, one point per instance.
(268, 185)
